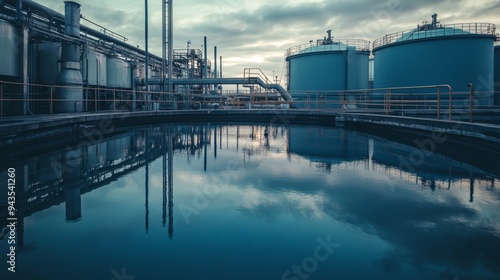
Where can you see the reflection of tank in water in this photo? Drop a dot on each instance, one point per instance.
(328, 144)
(118, 148)
(96, 155)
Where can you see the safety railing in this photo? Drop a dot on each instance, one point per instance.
(437, 101)
(442, 30)
(337, 45)
(256, 73)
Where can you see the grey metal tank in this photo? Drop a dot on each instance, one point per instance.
(47, 62)
(9, 46)
(118, 73)
(94, 69)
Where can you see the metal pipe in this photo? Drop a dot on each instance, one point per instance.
(72, 19)
(24, 69)
(163, 47)
(51, 14)
(220, 67)
(227, 81)
(134, 93)
(215, 62)
(19, 9)
(205, 61)
(146, 36)
(70, 79)
(215, 67)
(170, 36)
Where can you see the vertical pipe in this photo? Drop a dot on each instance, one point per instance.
(70, 96)
(146, 179)
(19, 9)
(215, 67)
(163, 46)
(205, 63)
(134, 93)
(146, 37)
(220, 72)
(24, 69)
(170, 44)
(205, 57)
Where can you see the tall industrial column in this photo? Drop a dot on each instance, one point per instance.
(167, 39)
(69, 97)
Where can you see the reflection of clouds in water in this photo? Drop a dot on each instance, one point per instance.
(310, 206)
(273, 204)
(253, 198)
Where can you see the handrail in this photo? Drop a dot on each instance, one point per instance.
(360, 45)
(395, 100)
(442, 30)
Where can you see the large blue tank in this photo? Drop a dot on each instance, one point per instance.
(327, 65)
(497, 74)
(433, 54)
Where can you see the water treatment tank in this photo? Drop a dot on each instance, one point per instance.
(431, 54)
(327, 65)
(48, 57)
(497, 73)
(118, 73)
(9, 46)
(95, 69)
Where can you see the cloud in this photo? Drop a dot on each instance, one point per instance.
(263, 30)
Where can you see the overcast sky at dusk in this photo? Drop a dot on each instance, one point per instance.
(256, 33)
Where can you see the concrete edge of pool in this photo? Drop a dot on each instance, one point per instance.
(16, 131)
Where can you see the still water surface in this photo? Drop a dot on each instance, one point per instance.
(214, 201)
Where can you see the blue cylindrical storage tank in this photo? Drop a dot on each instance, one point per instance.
(327, 65)
(497, 74)
(434, 54)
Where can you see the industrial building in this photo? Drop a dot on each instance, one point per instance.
(52, 63)
(55, 63)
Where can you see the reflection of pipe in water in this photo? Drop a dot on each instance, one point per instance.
(205, 148)
(370, 153)
(220, 135)
(73, 198)
(237, 137)
(146, 179)
(170, 184)
(72, 163)
(215, 141)
(164, 177)
(266, 136)
(471, 188)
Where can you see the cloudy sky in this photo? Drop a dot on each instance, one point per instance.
(255, 34)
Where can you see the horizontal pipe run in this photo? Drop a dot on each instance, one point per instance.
(227, 81)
